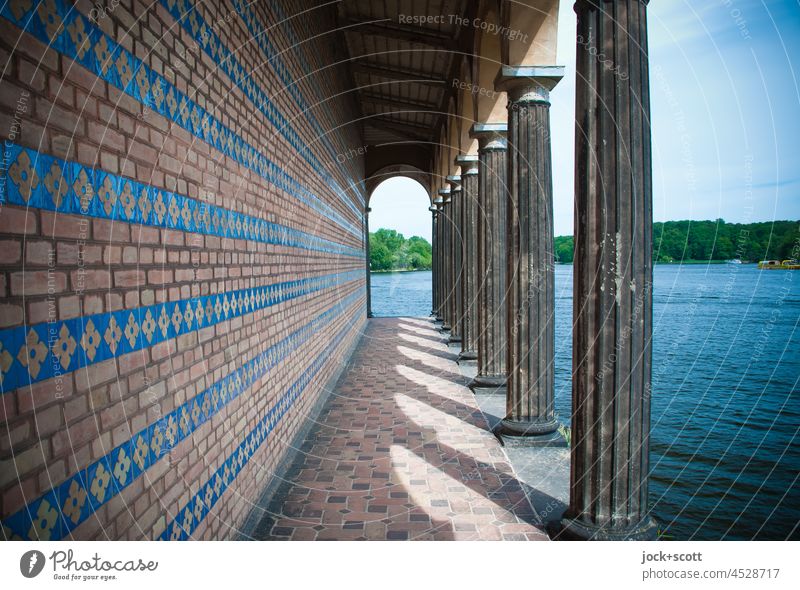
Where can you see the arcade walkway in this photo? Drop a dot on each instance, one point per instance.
(401, 451)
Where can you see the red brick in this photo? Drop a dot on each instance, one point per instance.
(159, 277)
(31, 75)
(112, 255)
(60, 225)
(172, 237)
(96, 374)
(69, 307)
(130, 255)
(140, 151)
(39, 282)
(44, 393)
(17, 221)
(92, 304)
(90, 280)
(129, 278)
(9, 251)
(106, 137)
(10, 315)
(67, 253)
(39, 253)
(109, 231)
(75, 435)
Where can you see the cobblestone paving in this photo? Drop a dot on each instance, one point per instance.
(401, 451)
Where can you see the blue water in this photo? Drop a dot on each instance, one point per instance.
(725, 416)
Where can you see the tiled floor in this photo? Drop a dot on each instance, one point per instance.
(401, 451)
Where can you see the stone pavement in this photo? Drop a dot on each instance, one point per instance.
(401, 451)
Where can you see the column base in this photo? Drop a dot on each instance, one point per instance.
(484, 384)
(454, 339)
(445, 327)
(570, 529)
(530, 434)
(467, 356)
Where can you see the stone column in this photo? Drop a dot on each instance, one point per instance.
(446, 257)
(369, 275)
(611, 361)
(530, 415)
(438, 261)
(491, 258)
(469, 234)
(434, 273)
(457, 249)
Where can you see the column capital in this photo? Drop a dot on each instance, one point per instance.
(528, 83)
(490, 136)
(468, 163)
(445, 194)
(455, 183)
(597, 3)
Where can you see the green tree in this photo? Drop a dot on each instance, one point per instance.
(389, 250)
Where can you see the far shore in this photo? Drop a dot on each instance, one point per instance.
(402, 270)
(678, 262)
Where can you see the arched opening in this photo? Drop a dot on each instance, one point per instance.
(400, 248)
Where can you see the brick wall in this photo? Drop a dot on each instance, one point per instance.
(181, 258)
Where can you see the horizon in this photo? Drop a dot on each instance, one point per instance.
(372, 231)
(724, 145)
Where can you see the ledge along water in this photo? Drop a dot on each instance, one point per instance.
(726, 375)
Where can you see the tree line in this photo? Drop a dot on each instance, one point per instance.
(390, 250)
(675, 241)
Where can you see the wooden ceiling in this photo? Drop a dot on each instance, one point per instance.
(402, 67)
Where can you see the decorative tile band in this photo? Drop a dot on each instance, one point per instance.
(45, 182)
(29, 354)
(198, 507)
(55, 514)
(273, 57)
(71, 34)
(186, 14)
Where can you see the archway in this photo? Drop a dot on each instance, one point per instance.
(400, 246)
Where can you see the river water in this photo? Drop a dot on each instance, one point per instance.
(725, 457)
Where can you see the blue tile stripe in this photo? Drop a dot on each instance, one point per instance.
(198, 507)
(71, 34)
(29, 354)
(187, 15)
(44, 182)
(258, 32)
(273, 56)
(55, 514)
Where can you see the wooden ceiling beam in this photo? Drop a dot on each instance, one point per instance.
(402, 103)
(401, 32)
(397, 73)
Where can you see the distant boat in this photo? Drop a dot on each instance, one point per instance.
(733, 261)
(779, 265)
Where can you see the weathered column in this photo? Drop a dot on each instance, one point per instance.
(457, 249)
(613, 277)
(434, 245)
(447, 259)
(469, 234)
(438, 262)
(530, 413)
(491, 257)
(369, 267)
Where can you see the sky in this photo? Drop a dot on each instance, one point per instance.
(725, 111)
